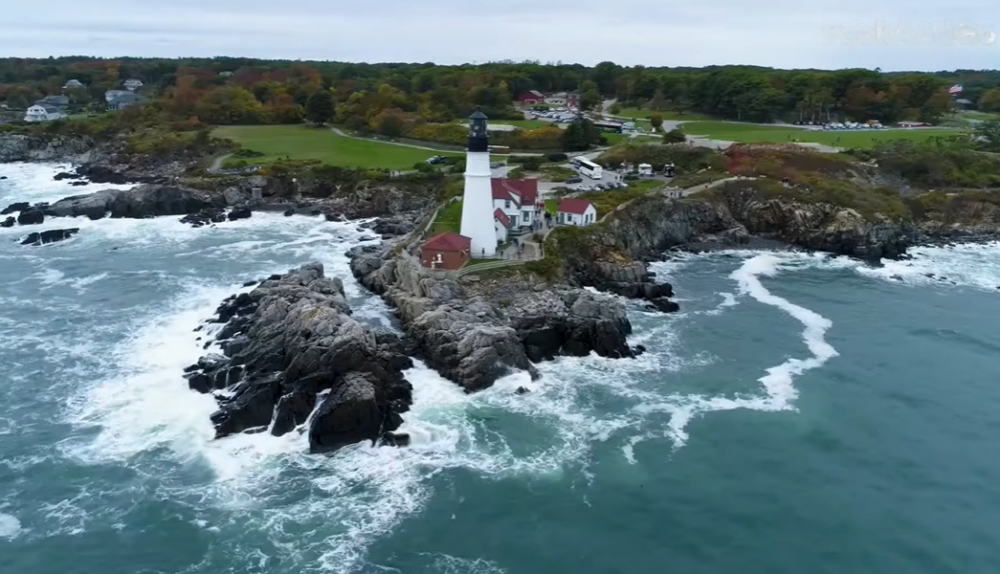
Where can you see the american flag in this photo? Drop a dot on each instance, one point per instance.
(956, 89)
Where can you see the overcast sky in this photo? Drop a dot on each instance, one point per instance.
(916, 34)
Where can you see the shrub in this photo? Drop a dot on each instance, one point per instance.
(557, 157)
(675, 135)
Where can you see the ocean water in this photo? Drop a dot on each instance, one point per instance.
(801, 414)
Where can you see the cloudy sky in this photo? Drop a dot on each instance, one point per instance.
(891, 34)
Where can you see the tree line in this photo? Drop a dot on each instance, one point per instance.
(389, 97)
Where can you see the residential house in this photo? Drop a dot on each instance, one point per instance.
(132, 84)
(72, 84)
(500, 224)
(568, 99)
(575, 211)
(531, 97)
(120, 99)
(54, 100)
(226, 74)
(446, 251)
(43, 113)
(518, 200)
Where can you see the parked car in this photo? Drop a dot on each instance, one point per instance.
(496, 165)
(438, 159)
(574, 179)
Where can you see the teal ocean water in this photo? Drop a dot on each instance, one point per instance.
(801, 414)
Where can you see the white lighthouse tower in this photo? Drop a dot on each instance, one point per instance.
(477, 202)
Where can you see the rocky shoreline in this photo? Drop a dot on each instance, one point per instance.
(292, 359)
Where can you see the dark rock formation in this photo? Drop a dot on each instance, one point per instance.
(239, 213)
(294, 355)
(31, 216)
(15, 207)
(205, 217)
(49, 236)
(142, 201)
(8, 222)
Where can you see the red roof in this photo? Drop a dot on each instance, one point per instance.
(449, 241)
(574, 206)
(498, 214)
(526, 190)
(500, 191)
(531, 95)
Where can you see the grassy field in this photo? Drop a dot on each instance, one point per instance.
(754, 133)
(448, 219)
(646, 114)
(607, 201)
(307, 142)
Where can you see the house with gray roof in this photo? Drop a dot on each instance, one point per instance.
(73, 84)
(120, 99)
(54, 100)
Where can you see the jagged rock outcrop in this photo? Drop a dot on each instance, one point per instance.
(204, 217)
(31, 216)
(18, 147)
(9, 221)
(473, 333)
(15, 207)
(821, 226)
(294, 356)
(147, 200)
(612, 256)
(49, 236)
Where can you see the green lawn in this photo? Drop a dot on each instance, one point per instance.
(557, 172)
(754, 133)
(614, 138)
(448, 219)
(307, 142)
(667, 115)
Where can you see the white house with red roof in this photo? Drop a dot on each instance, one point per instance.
(575, 211)
(518, 200)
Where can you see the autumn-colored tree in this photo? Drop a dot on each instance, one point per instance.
(282, 109)
(230, 105)
(656, 120)
(390, 123)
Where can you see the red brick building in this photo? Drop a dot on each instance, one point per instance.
(446, 251)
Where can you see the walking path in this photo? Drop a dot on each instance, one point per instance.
(217, 163)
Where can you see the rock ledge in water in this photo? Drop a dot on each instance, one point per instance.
(295, 359)
(50, 236)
